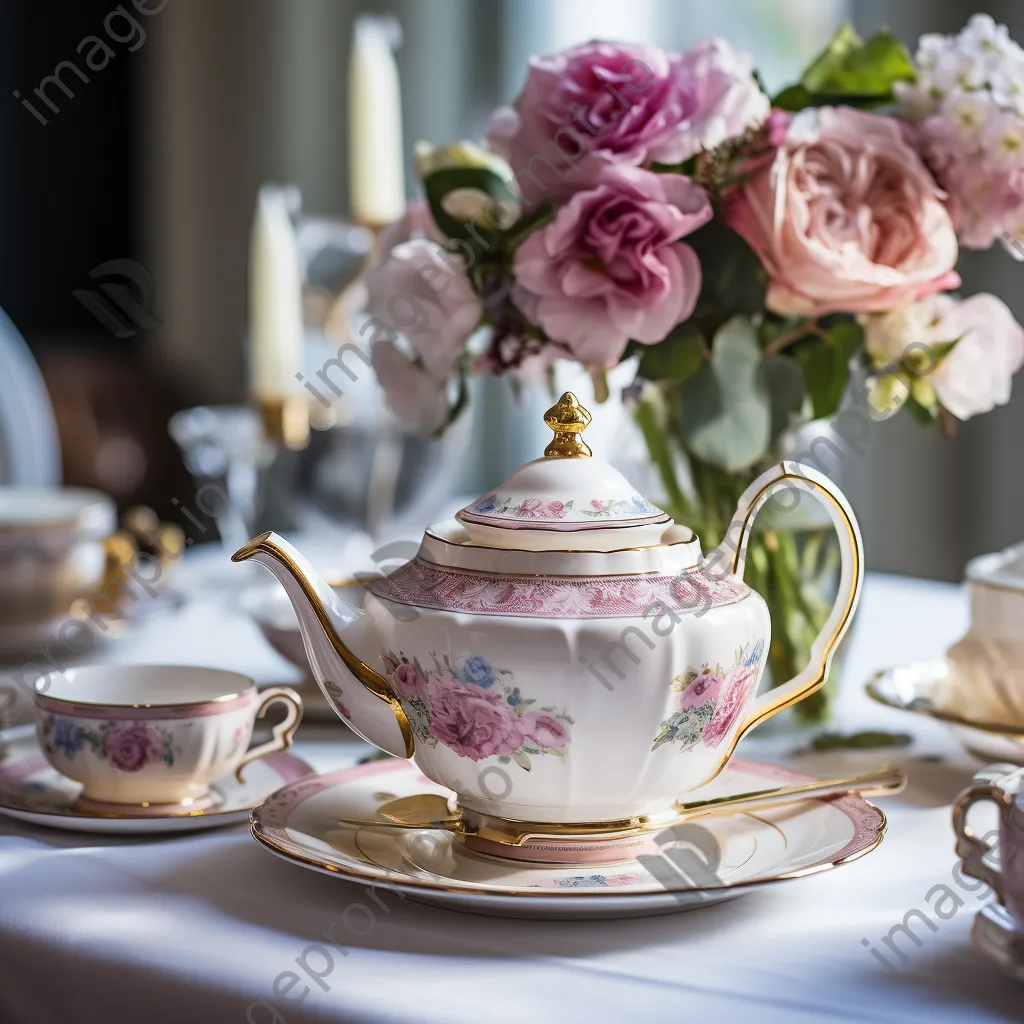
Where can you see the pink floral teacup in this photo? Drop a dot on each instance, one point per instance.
(154, 736)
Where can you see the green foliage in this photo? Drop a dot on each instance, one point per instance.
(440, 183)
(733, 279)
(784, 382)
(825, 361)
(851, 71)
(726, 413)
(869, 739)
(675, 359)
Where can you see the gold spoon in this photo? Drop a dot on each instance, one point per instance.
(431, 810)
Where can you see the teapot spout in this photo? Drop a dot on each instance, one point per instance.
(333, 631)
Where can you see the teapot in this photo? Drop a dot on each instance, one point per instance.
(560, 654)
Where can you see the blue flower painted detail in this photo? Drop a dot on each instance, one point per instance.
(755, 655)
(68, 738)
(477, 671)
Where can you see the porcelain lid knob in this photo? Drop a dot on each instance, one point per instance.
(568, 419)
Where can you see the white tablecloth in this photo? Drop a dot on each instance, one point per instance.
(197, 928)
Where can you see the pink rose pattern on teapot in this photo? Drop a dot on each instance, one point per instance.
(474, 710)
(710, 700)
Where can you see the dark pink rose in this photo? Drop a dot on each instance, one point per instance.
(844, 216)
(629, 104)
(408, 681)
(131, 747)
(473, 722)
(738, 685)
(545, 730)
(610, 267)
(707, 686)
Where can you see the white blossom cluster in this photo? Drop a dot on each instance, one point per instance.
(968, 103)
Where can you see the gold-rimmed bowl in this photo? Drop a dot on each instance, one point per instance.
(919, 688)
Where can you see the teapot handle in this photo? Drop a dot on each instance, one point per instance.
(731, 553)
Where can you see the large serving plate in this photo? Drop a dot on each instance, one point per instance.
(695, 865)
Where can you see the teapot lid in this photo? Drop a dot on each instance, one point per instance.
(566, 500)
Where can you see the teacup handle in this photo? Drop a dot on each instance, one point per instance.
(730, 555)
(283, 731)
(970, 847)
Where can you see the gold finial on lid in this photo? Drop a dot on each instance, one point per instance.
(567, 418)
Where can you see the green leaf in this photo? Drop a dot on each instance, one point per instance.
(528, 223)
(825, 361)
(922, 416)
(794, 98)
(677, 358)
(522, 760)
(726, 414)
(784, 382)
(868, 740)
(851, 71)
(851, 67)
(733, 279)
(440, 183)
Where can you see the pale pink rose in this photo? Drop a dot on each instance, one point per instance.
(412, 393)
(416, 222)
(420, 291)
(473, 722)
(845, 217)
(629, 104)
(705, 687)
(610, 266)
(131, 747)
(408, 681)
(737, 687)
(544, 730)
(975, 376)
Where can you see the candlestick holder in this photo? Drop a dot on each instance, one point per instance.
(285, 421)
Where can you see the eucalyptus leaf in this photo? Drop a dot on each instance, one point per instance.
(677, 358)
(726, 412)
(869, 739)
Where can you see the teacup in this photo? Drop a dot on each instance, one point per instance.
(154, 736)
(51, 555)
(986, 681)
(1002, 784)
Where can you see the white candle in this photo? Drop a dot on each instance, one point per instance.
(376, 158)
(275, 299)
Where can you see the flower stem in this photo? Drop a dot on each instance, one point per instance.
(783, 341)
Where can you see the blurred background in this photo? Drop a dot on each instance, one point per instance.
(149, 170)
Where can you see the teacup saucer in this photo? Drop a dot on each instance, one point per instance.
(917, 688)
(32, 791)
(998, 934)
(697, 864)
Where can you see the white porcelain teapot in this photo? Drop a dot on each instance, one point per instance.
(561, 653)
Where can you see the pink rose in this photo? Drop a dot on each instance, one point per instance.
(610, 266)
(704, 688)
(629, 104)
(738, 685)
(544, 730)
(408, 681)
(131, 747)
(845, 217)
(418, 292)
(473, 722)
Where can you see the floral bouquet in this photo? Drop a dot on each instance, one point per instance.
(759, 259)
